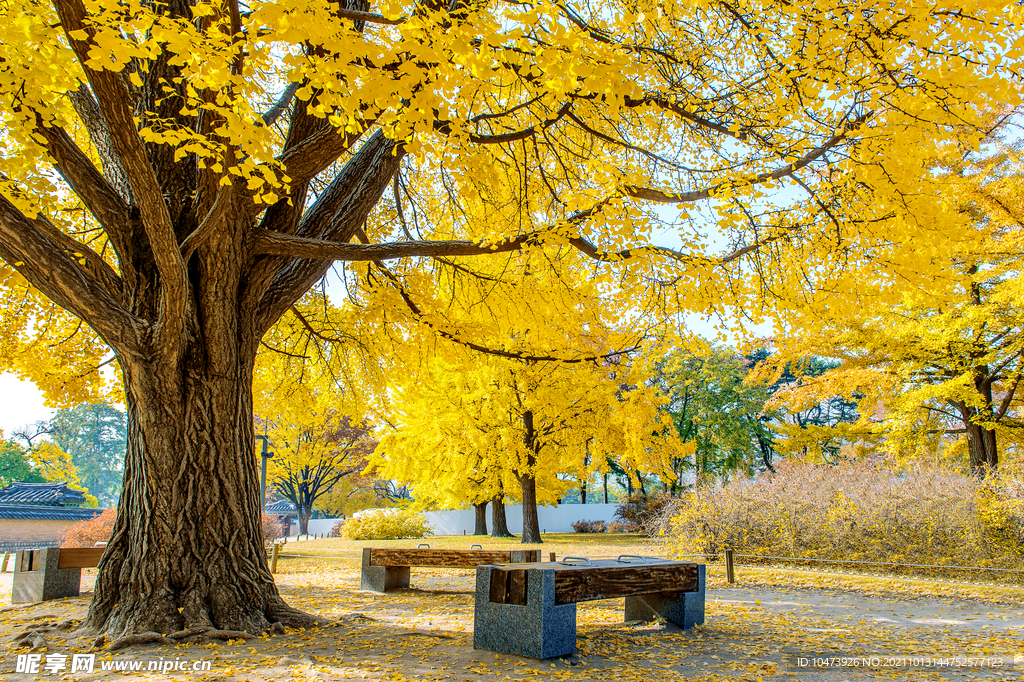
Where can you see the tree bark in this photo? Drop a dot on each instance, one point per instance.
(528, 482)
(531, 522)
(583, 492)
(481, 518)
(982, 448)
(499, 522)
(187, 547)
(606, 488)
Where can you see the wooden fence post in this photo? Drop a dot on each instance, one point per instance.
(730, 572)
(273, 557)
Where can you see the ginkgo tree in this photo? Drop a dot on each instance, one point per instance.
(938, 358)
(316, 441)
(498, 424)
(176, 177)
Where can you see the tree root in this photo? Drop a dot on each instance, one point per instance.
(141, 638)
(293, 618)
(32, 639)
(228, 634)
(190, 632)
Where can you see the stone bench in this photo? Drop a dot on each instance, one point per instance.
(530, 609)
(55, 573)
(51, 572)
(384, 570)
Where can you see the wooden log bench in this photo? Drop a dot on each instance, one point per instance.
(384, 570)
(55, 573)
(530, 609)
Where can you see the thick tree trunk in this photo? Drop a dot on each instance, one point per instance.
(981, 449)
(583, 492)
(481, 518)
(304, 515)
(187, 552)
(531, 522)
(499, 522)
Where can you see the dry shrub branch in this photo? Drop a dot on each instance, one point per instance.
(861, 511)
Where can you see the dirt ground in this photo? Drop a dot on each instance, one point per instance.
(757, 629)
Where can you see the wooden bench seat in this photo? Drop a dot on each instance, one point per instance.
(55, 573)
(530, 609)
(384, 570)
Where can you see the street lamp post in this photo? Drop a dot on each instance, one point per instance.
(264, 456)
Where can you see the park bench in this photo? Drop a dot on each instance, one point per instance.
(384, 570)
(54, 573)
(530, 609)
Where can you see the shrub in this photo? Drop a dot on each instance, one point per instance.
(616, 527)
(644, 514)
(863, 511)
(272, 528)
(386, 524)
(88, 533)
(588, 526)
(336, 529)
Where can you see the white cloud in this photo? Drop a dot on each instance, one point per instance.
(21, 403)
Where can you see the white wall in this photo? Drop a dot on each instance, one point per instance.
(314, 526)
(463, 521)
(552, 519)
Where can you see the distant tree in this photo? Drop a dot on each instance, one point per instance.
(38, 461)
(15, 466)
(313, 456)
(714, 408)
(95, 436)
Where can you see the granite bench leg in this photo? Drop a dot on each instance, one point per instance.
(540, 629)
(44, 581)
(382, 578)
(684, 609)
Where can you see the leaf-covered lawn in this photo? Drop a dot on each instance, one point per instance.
(751, 630)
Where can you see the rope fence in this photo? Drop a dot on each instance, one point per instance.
(729, 557)
(880, 563)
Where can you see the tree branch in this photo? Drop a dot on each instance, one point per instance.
(281, 105)
(85, 180)
(114, 99)
(48, 263)
(785, 171)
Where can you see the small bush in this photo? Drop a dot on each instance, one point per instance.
(88, 533)
(336, 529)
(616, 527)
(386, 524)
(644, 513)
(272, 528)
(588, 526)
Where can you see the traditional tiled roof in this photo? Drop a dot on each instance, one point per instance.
(41, 493)
(279, 507)
(31, 512)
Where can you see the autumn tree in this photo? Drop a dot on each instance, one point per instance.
(942, 359)
(505, 425)
(715, 408)
(95, 436)
(176, 178)
(312, 458)
(315, 443)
